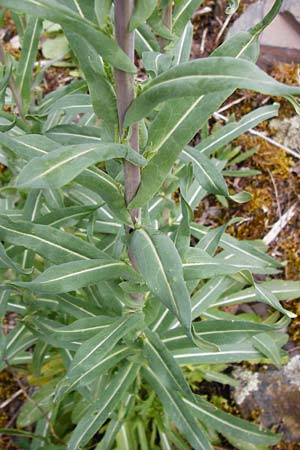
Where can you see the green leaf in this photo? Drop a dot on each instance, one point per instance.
(100, 182)
(142, 11)
(28, 146)
(99, 412)
(161, 361)
(178, 412)
(267, 346)
(183, 234)
(42, 400)
(199, 265)
(269, 298)
(145, 40)
(97, 347)
(227, 424)
(66, 216)
(80, 330)
(226, 354)
(182, 49)
(206, 172)
(182, 14)
(209, 294)
(20, 433)
(7, 262)
(232, 6)
(77, 274)
(55, 245)
(159, 262)
(217, 331)
(172, 129)
(238, 248)
(110, 434)
(234, 129)
(58, 13)
(204, 76)
(69, 134)
(282, 290)
(103, 364)
(63, 165)
(102, 10)
(179, 120)
(101, 91)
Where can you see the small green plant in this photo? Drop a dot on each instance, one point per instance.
(96, 255)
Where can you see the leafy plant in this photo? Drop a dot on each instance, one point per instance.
(97, 257)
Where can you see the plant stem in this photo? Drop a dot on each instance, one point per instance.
(125, 95)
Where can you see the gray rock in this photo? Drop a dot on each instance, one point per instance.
(292, 7)
(253, 15)
(275, 394)
(287, 131)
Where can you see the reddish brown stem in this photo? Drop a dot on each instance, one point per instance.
(125, 95)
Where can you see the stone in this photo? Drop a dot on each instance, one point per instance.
(292, 7)
(274, 395)
(287, 132)
(280, 42)
(253, 14)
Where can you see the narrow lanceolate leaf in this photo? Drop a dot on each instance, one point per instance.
(204, 76)
(8, 263)
(55, 245)
(28, 146)
(102, 409)
(145, 40)
(283, 290)
(116, 355)
(234, 129)
(179, 120)
(182, 49)
(182, 14)
(18, 340)
(142, 10)
(242, 249)
(161, 361)
(216, 331)
(64, 164)
(160, 264)
(199, 265)
(80, 330)
(69, 134)
(97, 347)
(54, 11)
(178, 412)
(42, 401)
(66, 216)
(225, 354)
(174, 126)
(75, 275)
(27, 60)
(101, 91)
(102, 10)
(100, 182)
(266, 345)
(269, 298)
(206, 172)
(227, 424)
